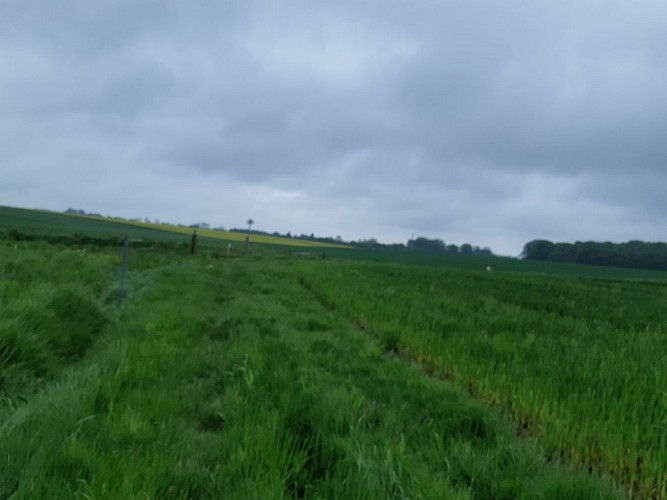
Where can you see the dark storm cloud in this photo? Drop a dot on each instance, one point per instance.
(493, 122)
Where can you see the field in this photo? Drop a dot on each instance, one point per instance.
(42, 222)
(576, 363)
(281, 375)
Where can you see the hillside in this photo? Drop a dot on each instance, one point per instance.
(53, 223)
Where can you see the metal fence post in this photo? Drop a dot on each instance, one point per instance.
(123, 271)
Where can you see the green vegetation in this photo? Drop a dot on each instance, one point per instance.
(324, 373)
(51, 311)
(19, 223)
(226, 377)
(634, 254)
(422, 244)
(505, 264)
(575, 362)
(44, 224)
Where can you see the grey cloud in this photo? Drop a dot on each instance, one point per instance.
(495, 122)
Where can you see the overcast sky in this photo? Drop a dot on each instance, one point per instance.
(487, 122)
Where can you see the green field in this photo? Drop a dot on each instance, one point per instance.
(361, 375)
(43, 222)
(577, 363)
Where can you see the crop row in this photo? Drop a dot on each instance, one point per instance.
(578, 363)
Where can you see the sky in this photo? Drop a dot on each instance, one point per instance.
(485, 122)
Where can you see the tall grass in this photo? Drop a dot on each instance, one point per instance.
(51, 309)
(576, 362)
(226, 378)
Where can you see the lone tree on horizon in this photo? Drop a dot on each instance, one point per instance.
(250, 223)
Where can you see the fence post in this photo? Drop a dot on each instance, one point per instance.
(123, 271)
(195, 242)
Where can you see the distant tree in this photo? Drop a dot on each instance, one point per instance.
(394, 246)
(563, 252)
(483, 251)
(75, 211)
(250, 222)
(537, 250)
(426, 245)
(635, 254)
(466, 249)
(370, 243)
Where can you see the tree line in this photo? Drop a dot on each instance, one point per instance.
(438, 246)
(634, 254)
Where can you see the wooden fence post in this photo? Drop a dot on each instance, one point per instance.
(195, 242)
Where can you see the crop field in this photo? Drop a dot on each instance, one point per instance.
(42, 222)
(577, 363)
(228, 236)
(497, 263)
(282, 376)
